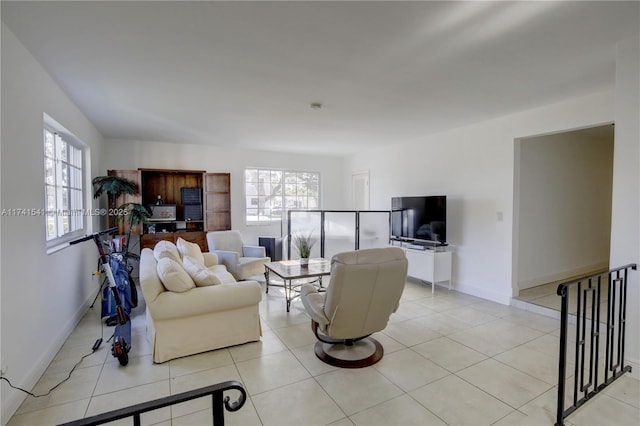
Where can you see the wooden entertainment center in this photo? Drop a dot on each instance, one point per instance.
(202, 203)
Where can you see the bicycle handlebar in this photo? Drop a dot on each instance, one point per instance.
(95, 234)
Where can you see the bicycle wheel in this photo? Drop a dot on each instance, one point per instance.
(119, 350)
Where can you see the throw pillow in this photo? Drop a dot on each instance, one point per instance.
(167, 249)
(200, 274)
(189, 249)
(173, 276)
(223, 275)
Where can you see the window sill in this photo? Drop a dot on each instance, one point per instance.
(57, 247)
(263, 223)
(62, 243)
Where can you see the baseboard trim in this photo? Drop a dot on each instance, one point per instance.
(564, 275)
(536, 309)
(503, 299)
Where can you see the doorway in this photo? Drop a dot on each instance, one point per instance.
(562, 210)
(360, 190)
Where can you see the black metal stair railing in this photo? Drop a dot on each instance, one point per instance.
(217, 402)
(593, 370)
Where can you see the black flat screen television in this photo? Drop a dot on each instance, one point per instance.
(419, 219)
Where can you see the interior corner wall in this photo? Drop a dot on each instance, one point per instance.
(131, 155)
(565, 206)
(474, 167)
(625, 226)
(43, 296)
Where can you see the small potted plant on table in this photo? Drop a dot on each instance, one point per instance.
(304, 243)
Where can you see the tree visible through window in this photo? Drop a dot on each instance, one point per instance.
(270, 193)
(63, 186)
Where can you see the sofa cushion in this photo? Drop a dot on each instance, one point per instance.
(167, 249)
(223, 275)
(204, 276)
(189, 249)
(200, 274)
(173, 276)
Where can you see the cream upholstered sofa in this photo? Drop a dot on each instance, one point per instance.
(186, 316)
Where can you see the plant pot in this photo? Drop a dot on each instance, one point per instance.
(304, 261)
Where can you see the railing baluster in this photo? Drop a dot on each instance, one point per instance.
(623, 303)
(621, 321)
(578, 346)
(612, 303)
(596, 339)
(594, 334)
(589, 292)
(216, 407)
(563, 291)
(588, 301)
(585, 299)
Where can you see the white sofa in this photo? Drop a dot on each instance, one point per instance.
(190, 318)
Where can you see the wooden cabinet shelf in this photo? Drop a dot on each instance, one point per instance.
(172, 226)
(198, 237)
(218, 201)
(167, 186)
(182, 188)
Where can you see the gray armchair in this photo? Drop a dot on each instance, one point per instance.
(241, 261)
(364, 290)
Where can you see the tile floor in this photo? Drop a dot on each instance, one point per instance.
(545, 295)
(450, 359)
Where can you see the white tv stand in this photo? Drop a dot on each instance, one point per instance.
(430, 264)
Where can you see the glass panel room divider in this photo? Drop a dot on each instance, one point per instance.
(336, 231)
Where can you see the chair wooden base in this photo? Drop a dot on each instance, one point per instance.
(330, 353)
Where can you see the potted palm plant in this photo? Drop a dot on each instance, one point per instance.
(304, 243)
(114, 187)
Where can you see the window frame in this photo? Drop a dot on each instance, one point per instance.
(282, 195)
(69, 154)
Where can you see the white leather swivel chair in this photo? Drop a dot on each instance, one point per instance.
(364, 290)
(241, 261)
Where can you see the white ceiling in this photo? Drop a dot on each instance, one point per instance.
(244, 74)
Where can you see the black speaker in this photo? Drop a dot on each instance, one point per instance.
(191, 195)
(193, 212)
(272, 246)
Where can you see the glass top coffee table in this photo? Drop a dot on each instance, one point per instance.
(291, 270)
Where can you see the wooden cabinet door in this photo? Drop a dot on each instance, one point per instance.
(217, 190)
(133, 176)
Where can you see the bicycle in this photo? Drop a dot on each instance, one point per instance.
(119, 297)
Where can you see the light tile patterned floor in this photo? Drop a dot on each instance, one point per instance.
(545, 295)
(450, 359)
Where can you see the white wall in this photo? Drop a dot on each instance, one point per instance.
(564, 205)
(625, 227)
(43, 296)
(474, 167)
(131, 155)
